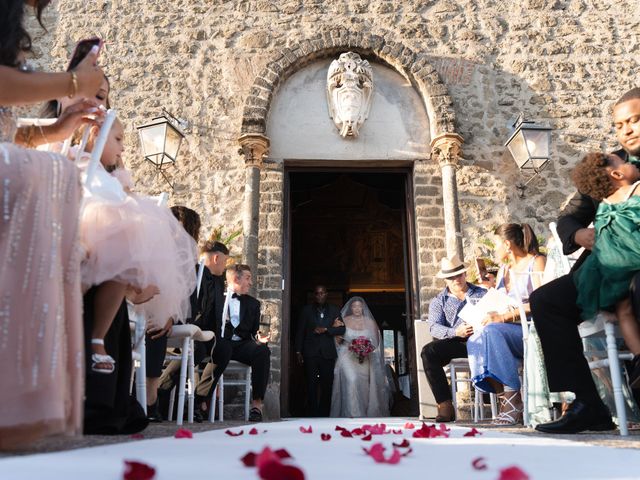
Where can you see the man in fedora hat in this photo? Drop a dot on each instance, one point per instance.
(450, 333)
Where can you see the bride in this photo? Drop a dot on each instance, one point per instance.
(360, 387)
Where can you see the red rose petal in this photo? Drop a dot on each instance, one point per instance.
(346, 433)
(405, 444)
(397, 432)
(472, 433)
(479, 463)
(249, 459)
(234, 434)
(276, 470)
(357, 431)
(367, 437)
(409, 450)
(513, 473)
(409, 426)
(282, 453)
(325, 437)
(183, 433)
(253, 431)
(340, 429)
(430, 431)
(377, 453)
(137, 436)
(306, 430)
(138, 471)
(377, 429)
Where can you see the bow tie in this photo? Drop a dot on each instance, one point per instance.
(235, 295)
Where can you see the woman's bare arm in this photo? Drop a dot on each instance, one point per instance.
(25, 88)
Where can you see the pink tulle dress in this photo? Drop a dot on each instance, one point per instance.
(131, 239)
(41, 335)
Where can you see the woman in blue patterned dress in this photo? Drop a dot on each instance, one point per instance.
(496, 352)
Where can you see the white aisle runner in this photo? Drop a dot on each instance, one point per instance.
(214, 455)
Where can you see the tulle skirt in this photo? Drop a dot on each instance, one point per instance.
(138, 242)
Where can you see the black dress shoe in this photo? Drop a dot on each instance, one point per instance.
(153, 413)
(255, 415)
(579, 417)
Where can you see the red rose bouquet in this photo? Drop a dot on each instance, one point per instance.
(361, 347)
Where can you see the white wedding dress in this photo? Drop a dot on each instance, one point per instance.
(359, 389)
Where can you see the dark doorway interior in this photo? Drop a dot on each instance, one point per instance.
(348, 232)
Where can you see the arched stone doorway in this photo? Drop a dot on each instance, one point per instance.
(433, 227)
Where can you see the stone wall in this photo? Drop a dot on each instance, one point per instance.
(561, 62)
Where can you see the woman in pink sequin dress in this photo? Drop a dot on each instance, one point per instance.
(41, 350)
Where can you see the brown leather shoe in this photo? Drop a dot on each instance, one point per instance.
(446, 413)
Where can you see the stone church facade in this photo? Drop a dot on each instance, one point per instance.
(228, 68)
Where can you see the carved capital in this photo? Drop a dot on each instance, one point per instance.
(254, 147)
(446, 149)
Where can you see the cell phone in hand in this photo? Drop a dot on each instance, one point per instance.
(82, 50)
(482, 269)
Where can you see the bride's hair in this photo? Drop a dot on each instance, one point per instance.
(14, 38)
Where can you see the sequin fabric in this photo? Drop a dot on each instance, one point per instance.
(41, 340)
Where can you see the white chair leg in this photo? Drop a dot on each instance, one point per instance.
(477, 405)
(494, 405)
(221, 399)
(172, 401)
(616, 378)
(247, 396)
(191, 382)
(454, 387)
(141, 371)
(183, 380)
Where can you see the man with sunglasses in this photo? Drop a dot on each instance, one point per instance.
(450, 333)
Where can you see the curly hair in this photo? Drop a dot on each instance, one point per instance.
(591, 177)
(14, 38)
(189, 219)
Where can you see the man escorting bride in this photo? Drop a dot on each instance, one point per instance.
(360, 387)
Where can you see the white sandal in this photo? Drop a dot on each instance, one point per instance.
(512, 415)
(97, 359)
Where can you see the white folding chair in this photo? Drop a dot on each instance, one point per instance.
(139, 355)
(461, 365)
(184, 337)
(244, 380)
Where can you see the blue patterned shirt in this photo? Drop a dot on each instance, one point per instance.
(444, 309)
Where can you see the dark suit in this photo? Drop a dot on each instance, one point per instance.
(211, 305)
(247, 350)
(556, 315)
(319, 352)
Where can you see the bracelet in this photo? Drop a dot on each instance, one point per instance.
(74, 84)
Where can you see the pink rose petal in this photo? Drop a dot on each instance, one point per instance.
(183, 433)
(513, 473)
(377, 453)
(479, 463)
(409, 426)
(306, 430)
(138, 471)
(253, 431)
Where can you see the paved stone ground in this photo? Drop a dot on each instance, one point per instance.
(167, 429)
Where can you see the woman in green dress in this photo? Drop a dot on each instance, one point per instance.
(604, 278)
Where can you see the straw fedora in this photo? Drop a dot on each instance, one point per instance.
(451, 267)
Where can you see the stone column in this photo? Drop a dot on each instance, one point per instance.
(254, 147)
(446, 149)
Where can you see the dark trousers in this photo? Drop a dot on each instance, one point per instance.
(220, 356)
(155, 351)
(258, 356)
(319, 373)
(556, 317)
(435, 356)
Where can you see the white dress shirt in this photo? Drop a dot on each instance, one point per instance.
(231, 313)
